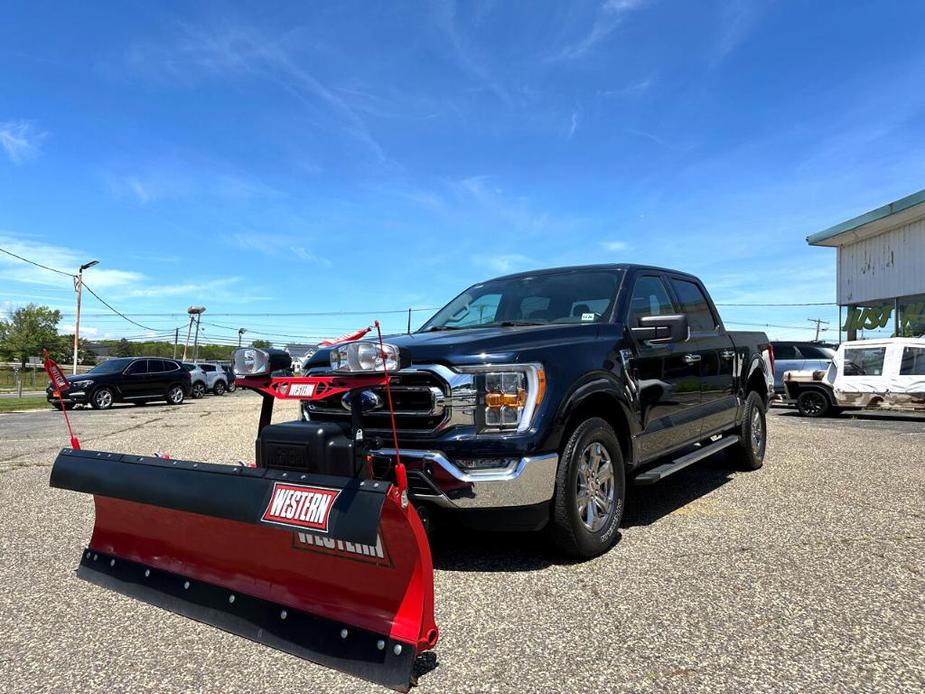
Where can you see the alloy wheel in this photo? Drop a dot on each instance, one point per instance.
(595, 498)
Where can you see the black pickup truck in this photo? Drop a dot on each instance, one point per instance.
(532, 400)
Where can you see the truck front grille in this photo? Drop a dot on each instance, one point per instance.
(419, 398)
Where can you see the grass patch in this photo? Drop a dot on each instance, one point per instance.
(30, 403)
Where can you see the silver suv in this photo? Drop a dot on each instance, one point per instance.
(199, 378)
(216, 378)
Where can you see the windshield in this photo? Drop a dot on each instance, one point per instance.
(110, 366)
(575, 296)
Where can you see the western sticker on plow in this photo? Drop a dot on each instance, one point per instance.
(298, 506)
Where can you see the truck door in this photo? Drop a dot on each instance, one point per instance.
(668, 384)
(713, 349)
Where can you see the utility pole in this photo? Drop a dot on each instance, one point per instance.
(189, 330)
(78, 286)
(819, 323)
(195, 314)
(176, 339)
(241, 332)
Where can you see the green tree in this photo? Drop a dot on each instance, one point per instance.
(123, 348)
(84, 354)
(261, 344)
(27, 331)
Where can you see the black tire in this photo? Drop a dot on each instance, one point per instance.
(232, 387)
(569, 527)
(198, 390)
(219, 388)
(102, 398)
(175, 394)
(749, 452)
(813, 403)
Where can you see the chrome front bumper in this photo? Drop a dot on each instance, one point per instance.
(532, 480)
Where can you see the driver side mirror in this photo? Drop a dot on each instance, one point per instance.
(661, 329)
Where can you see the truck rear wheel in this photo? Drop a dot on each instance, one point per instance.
(748, 453)
(590, 491)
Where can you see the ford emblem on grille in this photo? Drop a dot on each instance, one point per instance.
(369, 401)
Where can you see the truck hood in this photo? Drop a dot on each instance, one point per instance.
(479, 345)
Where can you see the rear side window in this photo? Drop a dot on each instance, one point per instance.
(813, 352)
(207, 367)
(650, 298)
(694, 304)
(864, 361)
(782, 352)
(913, 363)
(156, 366)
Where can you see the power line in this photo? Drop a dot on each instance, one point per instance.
(32, 262)
(116, 311)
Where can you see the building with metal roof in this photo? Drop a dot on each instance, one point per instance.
(881, 269)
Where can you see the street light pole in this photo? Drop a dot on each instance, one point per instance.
(241, 332)
(195, 313)
(79, 285)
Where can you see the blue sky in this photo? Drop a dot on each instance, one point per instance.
(352, 156)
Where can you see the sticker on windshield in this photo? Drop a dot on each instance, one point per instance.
(588, 316)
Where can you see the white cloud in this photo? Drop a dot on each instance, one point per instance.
(274, 245)
(573, 125)
(61, 258)
(504, 263)
(21, 140)
(609, 16)
(614, 245)
(243, 52)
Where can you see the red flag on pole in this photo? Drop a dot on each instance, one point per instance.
(349, 337)
(59, 384)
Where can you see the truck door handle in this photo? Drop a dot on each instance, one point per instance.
(691, 358)
(727, 354)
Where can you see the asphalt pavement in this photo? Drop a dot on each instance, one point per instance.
(806, 575)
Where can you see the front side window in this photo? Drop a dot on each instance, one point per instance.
(913, 363)
(572, 296)
(694, 304)
(139, 367)
(864, 361)
(650, 298)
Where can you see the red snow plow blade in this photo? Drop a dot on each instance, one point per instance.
(332, 568)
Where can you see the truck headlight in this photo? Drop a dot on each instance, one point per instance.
(366, 357)
(250, 361)
(508, 395)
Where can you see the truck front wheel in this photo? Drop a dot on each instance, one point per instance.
(748, 453)
(590, 491)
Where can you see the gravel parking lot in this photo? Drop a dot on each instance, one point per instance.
(804, 576)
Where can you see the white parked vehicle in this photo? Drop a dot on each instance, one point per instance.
(216, 378)
(884, 374)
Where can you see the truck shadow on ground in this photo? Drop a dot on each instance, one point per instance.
(458, 548)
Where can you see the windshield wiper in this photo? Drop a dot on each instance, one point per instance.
(443, 327)
(515, 323)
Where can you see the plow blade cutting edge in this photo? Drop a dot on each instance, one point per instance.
(332, 569)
